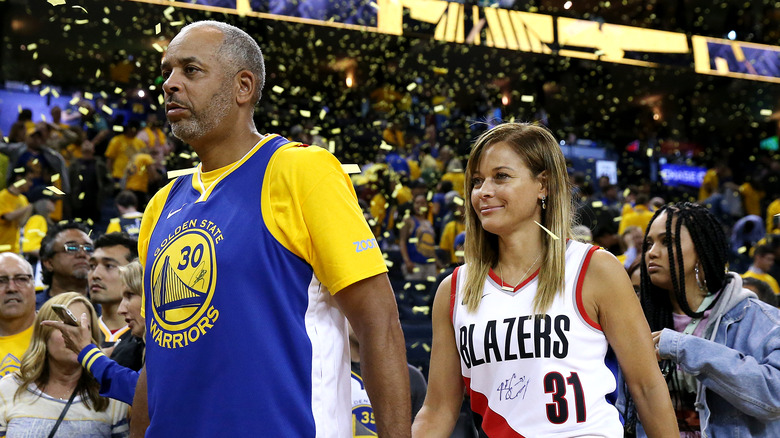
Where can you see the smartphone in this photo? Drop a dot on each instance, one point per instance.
(65, 314)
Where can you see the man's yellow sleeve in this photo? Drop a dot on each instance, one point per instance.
(310, 207)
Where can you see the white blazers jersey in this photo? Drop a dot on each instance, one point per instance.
(550, 376)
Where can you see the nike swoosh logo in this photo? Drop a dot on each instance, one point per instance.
(175, 211)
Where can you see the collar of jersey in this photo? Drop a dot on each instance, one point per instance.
(205, 182)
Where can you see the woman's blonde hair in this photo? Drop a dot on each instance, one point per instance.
(34, 367)
(540, 152)
(132, 276)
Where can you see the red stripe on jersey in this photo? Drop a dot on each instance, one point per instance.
(453, 290)
(500, 282)
(578, 290)
(494, 425)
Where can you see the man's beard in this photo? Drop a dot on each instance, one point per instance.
(204, 121)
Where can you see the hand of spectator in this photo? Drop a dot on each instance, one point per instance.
(656, 343)
(76, 338)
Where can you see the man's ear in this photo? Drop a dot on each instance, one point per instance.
(246, 84)
(542, 178)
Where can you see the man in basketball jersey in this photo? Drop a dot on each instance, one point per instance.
(251, 264)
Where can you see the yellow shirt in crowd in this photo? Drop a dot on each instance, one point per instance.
(34, 231)
(11, 350)
(9, 230)
(766, 278)
(448, 235)
(138, 175)
(121, 149)
(640, 217)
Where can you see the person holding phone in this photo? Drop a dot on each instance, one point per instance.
(116, 381)
(51, 392)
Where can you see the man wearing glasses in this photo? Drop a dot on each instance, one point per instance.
(65, 253)
(17, 310)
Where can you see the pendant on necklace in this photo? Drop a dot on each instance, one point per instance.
(507, 288)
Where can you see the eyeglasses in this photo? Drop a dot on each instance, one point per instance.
(72, 248)
(21, 280)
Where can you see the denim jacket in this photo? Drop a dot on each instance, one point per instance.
(736, 364)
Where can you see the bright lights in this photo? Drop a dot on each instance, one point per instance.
(567, 5)
(505, 100)
(350, 79)
(732, 35)
(141, 93)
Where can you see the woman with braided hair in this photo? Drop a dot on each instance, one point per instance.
(718, 345)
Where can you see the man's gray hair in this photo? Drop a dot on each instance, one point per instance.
(239, 51)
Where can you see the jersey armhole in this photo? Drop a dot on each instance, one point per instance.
(453, 291)
(578, 289)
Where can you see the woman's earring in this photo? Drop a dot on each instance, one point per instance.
(700, 281)
(544, 202)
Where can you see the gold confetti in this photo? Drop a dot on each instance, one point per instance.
(118, 128)
(181, 172)
(277, 89)
(305, 113)
(81, 195)
(32, 46)
(167, 12)
(45, 91)
(118, 90)
(526, 98)
(56, 190)
(160, 99)
(597, 204)
(79, 7)
(335, 131)
(438, 108)
(88, 95)
(350, 168)
(73, 101)
(460, 253)
(82, 21)
(46, 71)
(431, 278)
(389, 263)
(97, 73)
(426, 347)
(55, 177)
(83, 110)
(20, 183)
(411, 86)
(742, 250)
(158, 28)
(649, 152)
(323, 113)
(412, 240)
(385, 146)
(458, 200)
(8, 247)
(618, 219)
(157, 47)
(36, 82)
(407, 285)
(55, 93)
(420, 286)
(317, 98)
(331, 146)
(56, 2)
(185, 155)
(107, 110)
(548, 231)
(421, 309)
(176, 23)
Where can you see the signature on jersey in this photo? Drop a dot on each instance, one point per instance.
(512, 388)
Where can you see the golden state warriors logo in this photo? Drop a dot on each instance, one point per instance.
(183, 279)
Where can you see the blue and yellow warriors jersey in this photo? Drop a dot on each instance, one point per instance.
(244, 337)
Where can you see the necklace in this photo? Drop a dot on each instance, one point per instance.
(510, 288)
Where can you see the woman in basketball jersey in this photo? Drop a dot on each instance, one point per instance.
(717, 343)
(526, 325)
